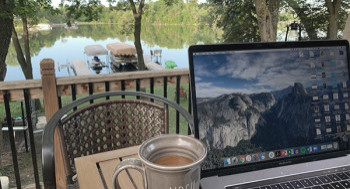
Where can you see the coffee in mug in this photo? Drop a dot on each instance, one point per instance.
(173, 160)
(167, 162)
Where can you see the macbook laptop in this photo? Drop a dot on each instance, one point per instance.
(273, 115)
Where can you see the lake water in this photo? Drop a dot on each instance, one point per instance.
(64, 45)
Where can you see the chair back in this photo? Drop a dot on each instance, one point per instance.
(111, 125)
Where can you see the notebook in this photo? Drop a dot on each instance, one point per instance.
(273, 115)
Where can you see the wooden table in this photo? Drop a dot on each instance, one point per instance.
(96, 171)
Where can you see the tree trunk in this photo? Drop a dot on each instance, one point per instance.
(28, 71)
(1, 142)
(333, 9)
(274, 6)
(6, 23)
(137, 32)
(3, 66)
(346, 33)
(267, 19)
(305, 20)
(25, 65)
(19, 52)
(137, 35)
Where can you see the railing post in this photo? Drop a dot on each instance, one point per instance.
(12, 138)
(48, 77)
(49, 88)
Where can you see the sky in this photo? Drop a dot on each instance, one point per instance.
(257, 72)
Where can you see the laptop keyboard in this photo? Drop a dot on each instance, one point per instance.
(337, 180)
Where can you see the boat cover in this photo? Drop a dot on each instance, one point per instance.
(121, 49)
(94, 50)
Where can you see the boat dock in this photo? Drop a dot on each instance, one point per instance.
(80, 68)
(151, 65)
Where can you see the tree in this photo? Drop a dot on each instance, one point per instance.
(321, 16)
(6, 23)
(137, 13)
(247, 20)
(27, 9)
(267, 18)
(333, 9)
(347, 29)
(236, 18)
(24, 9)
(307, 21)
(91, 10)
(137, 32)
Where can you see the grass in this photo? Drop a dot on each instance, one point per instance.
(15, 108)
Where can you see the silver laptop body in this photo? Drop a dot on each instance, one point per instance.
(271, 112)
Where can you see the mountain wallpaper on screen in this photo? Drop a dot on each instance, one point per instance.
(246, 123)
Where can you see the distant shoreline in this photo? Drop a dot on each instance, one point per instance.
(102, 23)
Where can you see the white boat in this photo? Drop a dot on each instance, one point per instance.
(93, 60)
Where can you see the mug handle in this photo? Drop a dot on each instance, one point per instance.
(132, 163)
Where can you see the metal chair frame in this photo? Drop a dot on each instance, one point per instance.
(48, 154)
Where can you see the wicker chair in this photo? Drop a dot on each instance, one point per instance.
(103, 125)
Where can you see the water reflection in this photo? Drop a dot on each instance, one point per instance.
(63, 45)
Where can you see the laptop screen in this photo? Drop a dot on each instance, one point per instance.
(269, 102)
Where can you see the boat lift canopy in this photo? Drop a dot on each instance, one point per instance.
(95, 50)
(121, 49)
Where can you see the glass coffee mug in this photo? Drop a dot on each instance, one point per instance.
(167, 162)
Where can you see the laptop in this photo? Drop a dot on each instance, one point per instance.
(273, 115)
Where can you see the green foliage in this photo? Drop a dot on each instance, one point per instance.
(285, 16)
(174, 12)
(30, 8)
(87, 11)
(17, 22)
(170, 2)
(237, 19)
(163, 12)
(11, 59)
(176, 37)
(122, 5)
(317, 15)
(115, 16)
(50, 16)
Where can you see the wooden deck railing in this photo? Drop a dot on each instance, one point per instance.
(52, 89)
(117, 81)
